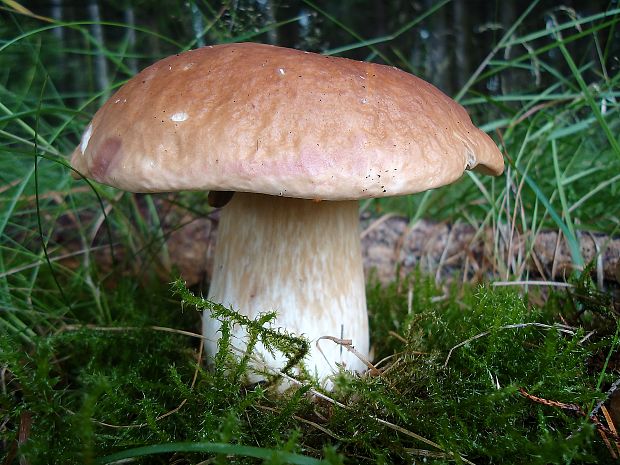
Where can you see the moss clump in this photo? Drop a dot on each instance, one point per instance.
(92, 392)
(471, 402)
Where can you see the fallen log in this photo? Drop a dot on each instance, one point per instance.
(392, 247)
(443, 249)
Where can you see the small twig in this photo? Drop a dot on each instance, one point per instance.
(19, 269)
(11, 184)
(137, 328)
(532, 254)
(429, 454)
(560, 328)
(551, 403)
(444, 254)
(377, 419)
(376, 223)
(303, 420)
(347, 344)
(25, 425)
(587, 336)
(536, 109)
(397, 336)
(170, 412)
(603, 430)
(385, 359)
(612, 427)
(607, 444)
(418, 437)
(55, 195)
(129, 328)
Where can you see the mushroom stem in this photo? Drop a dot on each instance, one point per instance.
(302, 259)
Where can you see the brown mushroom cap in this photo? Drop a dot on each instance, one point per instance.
(258, 118)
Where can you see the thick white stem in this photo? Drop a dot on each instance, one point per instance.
(302, 259)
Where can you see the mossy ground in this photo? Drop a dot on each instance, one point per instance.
(83, 393)
(516, 393)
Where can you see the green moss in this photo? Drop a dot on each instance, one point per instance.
(73, 382)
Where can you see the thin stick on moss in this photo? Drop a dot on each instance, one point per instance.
(559, 327)
(612, 427)
(191, 387)
(392, 426)
(348, 345)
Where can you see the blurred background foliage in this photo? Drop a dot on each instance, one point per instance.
(442, 41)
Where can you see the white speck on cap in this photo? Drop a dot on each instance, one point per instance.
(281, 71)
(86, 138)
(178, 117)
(470, 159)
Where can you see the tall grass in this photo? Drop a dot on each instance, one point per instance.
(74, 253)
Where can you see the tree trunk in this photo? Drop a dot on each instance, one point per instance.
(130, 21)
(101, 64)
(267, 9)
(462, 43)
(56, 14)
(198, 25)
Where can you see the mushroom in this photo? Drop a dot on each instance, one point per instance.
(298, 138)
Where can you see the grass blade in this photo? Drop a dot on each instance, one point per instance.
(588, 95)
(573, 243)
(214, 448)
(38, 203)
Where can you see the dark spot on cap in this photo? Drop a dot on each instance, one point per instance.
(105, 157)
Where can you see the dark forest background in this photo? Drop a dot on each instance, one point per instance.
(444, 42)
